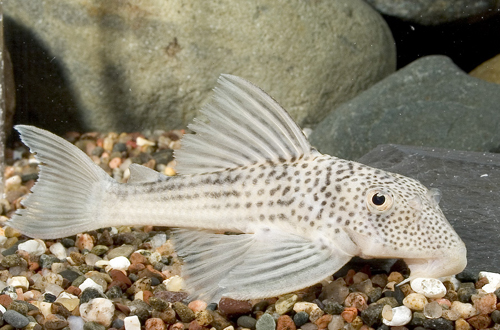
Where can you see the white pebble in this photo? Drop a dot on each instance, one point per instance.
(54, 289)
(143, 142)
(132, 323)
(2, 309)
(58, 250)
(98, 310)
(75, 322)
(429, 287)
(493, 281)
(465, 310)
(174, 283)
(337, 323)
(90, 283)
(34, 246)
(19, 282)
(120, 263)
(13, 183)
(158, 240)
(400, 316)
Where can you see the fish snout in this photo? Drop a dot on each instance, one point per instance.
(449, 263)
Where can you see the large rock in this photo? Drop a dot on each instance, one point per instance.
(489, 70)
(470, 186)
(430, 103)
(434, 12)
(152, 64)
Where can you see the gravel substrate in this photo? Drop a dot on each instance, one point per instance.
(128, 277)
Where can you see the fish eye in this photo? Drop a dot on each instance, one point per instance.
(379, 200)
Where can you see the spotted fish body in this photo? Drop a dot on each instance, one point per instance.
(249, 169)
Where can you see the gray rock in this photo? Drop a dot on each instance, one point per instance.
(15, 319)
(434, 12)
(265, 322)
(153, 64)
(430, 102)
(470, 186)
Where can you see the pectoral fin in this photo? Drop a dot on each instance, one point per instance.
(250, 266)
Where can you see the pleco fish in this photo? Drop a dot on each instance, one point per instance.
(248, 169)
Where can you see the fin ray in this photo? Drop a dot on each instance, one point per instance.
(245, 126)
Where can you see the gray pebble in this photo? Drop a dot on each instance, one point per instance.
(465, 292)
(301, 318)
(68, 242)
(16, 319)
(124, 250)
(46, 260)
(98, 151)
(99, 250)
(117, 324)
(93, 326)
(495, 316)
(246, 322)
(10, 251)
(12, 261)
(309, 326)
(438, 324)
(372, 316)
(114, 292)
(19, 306)
(331, 307)
(119, 147)
(265, 322)
(90, 293)
(69, 274)
(141, 309)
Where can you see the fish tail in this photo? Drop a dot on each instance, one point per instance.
(65, 199)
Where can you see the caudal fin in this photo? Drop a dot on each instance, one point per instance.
(65, 200)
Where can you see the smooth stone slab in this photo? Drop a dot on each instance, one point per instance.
(470, 186)
(430, 102)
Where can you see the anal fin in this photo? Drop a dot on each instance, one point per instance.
(251, 266)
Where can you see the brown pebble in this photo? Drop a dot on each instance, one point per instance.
(167, 316)
(219, 321)
(155, 324)
(136, 268)
(485, 304)
(395, 277)
(146, 294)
(462, 324)
(74, 290)
(195, 326)
(197, 305)
(171, 296)
(119, 279)
(230, 307)
(349, 314)
(57, 308)
(481, 282)
(123, 308)
(151, 272)
(323, 321)
(55, 322)
(137, 258)
(77, 258)
(204, 318)
(285, 322)
(480, 321)
(5, 300)
(357, 300)
(185, 314)
(348, 278)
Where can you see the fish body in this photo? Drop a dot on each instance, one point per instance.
(248, 169)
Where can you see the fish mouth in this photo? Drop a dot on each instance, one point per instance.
(446, 265)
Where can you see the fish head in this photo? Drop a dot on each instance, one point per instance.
(400, 218)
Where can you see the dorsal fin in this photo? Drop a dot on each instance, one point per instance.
(143, 174)
(243, 126)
